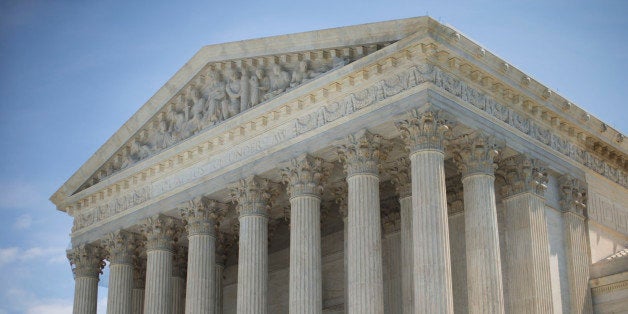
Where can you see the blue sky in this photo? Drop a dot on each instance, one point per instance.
(72, 72)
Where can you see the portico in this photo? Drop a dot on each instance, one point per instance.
(394, 167)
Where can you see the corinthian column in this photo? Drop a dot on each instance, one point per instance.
(88, 263)
(361, 157)
(303, 179)
(200, 216)
(179, 272)
(139, 280)
(120, 245)
(253, 198)
(160, 232)
(403, 184)
(484, 275)
(573, 202)
(424, 134)
(529, 282)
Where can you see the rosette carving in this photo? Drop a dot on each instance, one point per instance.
(476, 154)
(304, 176)
(161, 232)
(523, 174)
(424, 130)
(361, 153)
(86, 260)
(201, 216)
(573, 195)
(120, 246)
(252, 195)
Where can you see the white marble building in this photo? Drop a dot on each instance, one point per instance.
(393, 167)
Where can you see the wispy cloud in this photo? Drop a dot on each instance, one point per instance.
(23, 222)
(51, 307)
(13, 254)
(21, 195)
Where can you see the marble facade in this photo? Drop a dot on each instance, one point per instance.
(392, 167)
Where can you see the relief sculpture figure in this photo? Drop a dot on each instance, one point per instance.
(301, 74)
(245, 91)
(279, 81)
(215, 97)
(259, 86)
(233, 88)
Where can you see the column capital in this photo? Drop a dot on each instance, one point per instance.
(424, 130)
(475, 154)
(523, 174)
(573, 195)
(361, 153)
(304, 176)
(341, 194)
(180, 261)
(200, 215)
(120, 246)
(400, 176)
(252, 195)
(161, 232)
(87, 260)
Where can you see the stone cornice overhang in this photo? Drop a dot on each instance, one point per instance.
(304, 102)
(364, 34)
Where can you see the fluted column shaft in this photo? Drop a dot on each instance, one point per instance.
(85, 295)
(365, 279)
(119, 296)
(475, 160)
(138, 301)
(305, 255)
(391, 260)
(573, 200)
(303, 179)
(252, 197)
(121, 246)
(484, 275)
(406, 254)
(160, 232)
(530, 287)
(218, 288)
(578, 262)
(528, 258)
(200, 294)
(178, 295)
(87, 261)
(253, 265)
(424, 134)
(430, 234)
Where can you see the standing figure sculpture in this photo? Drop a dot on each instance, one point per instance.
(259, 86)
(195, 117)
(233, 88)
(162, 138)
(245, 91)
(216, 96)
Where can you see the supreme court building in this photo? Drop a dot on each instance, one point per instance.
(393, 167)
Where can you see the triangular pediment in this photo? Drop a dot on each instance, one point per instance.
(222, 80)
